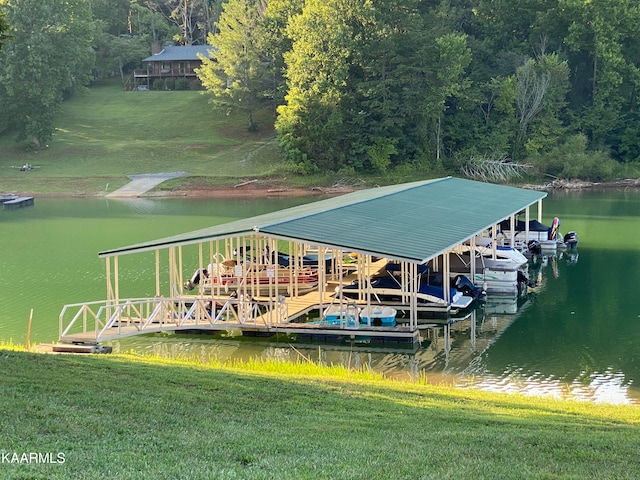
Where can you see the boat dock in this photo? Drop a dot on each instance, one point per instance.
(94, 323)
(346, 240)
(10, 202)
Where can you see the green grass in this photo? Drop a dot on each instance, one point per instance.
(129, 417)
(107, 133)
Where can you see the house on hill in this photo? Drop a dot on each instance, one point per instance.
(171, 68)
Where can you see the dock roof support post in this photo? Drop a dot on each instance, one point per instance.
(107, 269)
(446, 281)
(179, 273)
(539, 211)
(110, 290)
(472, 250)
(173, 274)
(200, 266)
(157, 273)
(117, 283)
(413, 298)
(494, 243)
(512, 231)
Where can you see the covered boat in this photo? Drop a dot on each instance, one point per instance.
(548, 238)
(387, 289)
(263, 280)
(498, 269)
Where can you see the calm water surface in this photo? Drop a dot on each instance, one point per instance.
(576, 335)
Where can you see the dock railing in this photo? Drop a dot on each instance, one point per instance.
(102, 320)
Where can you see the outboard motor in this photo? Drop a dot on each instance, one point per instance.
(466, 286)
(195, 279)
(571, 239)
(534, 247)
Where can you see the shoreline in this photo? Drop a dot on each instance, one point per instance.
(254, 191)
(272, 191)
(560, 184)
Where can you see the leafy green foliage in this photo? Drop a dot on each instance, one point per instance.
(118, 53)
(358, 86)
(365, 84)
(48, 54)
(3, 28)
(570, 159)
(237, 74)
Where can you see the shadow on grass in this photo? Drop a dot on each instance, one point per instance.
(134, 419)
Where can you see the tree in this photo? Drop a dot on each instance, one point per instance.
(531, 88)
(119, 53)
(146, 21)
(546, 129)
(452, 57)
(3, 29)
(317, 126)
(367, 84)
(237, 74)
(603, 38)
(275, 43)
(48, 54)
(195, 19)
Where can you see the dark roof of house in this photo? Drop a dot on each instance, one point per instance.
(413, 221)
(173, 53)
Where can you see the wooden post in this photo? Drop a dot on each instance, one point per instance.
(29, 330)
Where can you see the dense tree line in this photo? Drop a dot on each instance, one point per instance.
(367, 86)
(362, 85)
(51, 49)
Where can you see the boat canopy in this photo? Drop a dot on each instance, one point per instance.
(521, 226)
(412, 222)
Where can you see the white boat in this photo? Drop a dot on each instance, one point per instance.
(536, 236)
(388, 289)
(341, 314)
(497, 269)
(378, 315)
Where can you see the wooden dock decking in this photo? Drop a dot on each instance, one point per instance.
(282, 316)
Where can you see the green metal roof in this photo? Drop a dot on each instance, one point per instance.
(413, 221)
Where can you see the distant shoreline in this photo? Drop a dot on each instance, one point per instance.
(560, 184)
(274, 191)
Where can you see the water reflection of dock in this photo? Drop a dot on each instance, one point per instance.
(451, 350)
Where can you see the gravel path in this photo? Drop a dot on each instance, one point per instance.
(142, 183)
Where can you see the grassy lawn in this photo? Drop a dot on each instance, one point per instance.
(108, 133)
(105, 134)
(129, 417)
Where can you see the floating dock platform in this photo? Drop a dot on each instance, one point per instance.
(10, 202)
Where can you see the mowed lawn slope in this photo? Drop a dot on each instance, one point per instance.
(107, 133)
(134, 418)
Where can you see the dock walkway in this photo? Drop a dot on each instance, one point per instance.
(96, 323)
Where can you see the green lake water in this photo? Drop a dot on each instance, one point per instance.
(576, 335)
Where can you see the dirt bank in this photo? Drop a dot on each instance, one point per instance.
(253, 191)
(261, 191)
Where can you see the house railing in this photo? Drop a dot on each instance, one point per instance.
(163, 73)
